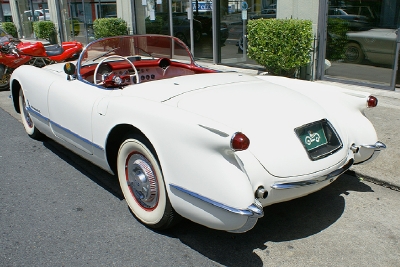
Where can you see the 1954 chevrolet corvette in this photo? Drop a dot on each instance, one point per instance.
(187, 141)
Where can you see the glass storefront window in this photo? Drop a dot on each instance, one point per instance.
(27, 17)
(361, 41)
(78, 17)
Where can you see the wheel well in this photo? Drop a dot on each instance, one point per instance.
(15, 87)
(115, 139)
(357, 43)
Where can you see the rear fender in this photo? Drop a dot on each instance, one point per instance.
(194, 153)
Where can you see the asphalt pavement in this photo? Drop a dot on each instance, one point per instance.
(58, 210)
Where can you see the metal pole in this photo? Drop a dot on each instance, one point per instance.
(191, 26)
(171, 26)
(396, 61)
(321, 36)
(85, 22)
(61, 34)
(216, 17)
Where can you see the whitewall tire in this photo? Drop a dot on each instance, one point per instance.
(29, 126)
(142, 183)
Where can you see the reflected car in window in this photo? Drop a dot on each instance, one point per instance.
(40, 15)
(265, 14)
(356, 22)
(375, 45)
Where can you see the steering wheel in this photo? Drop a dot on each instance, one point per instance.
(136, 74)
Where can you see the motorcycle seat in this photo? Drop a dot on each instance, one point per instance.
(53, 50)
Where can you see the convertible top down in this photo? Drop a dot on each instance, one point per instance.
(188, 141)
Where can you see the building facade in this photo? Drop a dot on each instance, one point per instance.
(355, 40)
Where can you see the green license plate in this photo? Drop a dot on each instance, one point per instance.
(312, 136)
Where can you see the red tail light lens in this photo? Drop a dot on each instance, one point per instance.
(372, 101)
(240, 142)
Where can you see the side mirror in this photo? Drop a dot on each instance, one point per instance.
(69, 69)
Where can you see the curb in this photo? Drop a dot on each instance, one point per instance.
(374, 180)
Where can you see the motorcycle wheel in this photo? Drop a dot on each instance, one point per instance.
(5, 81)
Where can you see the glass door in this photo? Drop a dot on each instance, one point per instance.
(234, 17)
(203, 20)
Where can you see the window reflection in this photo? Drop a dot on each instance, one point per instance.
(361, 42)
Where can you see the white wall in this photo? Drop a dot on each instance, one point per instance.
(299, 9)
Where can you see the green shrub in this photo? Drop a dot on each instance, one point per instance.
(282, 46)
(10, 28)
(154, 26)
(107, 27)
(74, 26)
(45, 30)
(336, 39)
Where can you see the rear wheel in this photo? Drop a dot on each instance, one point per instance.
(29, 126)
(197, 35)
(4, 79)
(354, 53)
(142, 183)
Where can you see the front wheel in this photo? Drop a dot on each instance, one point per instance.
(142, 183)
(29, 126)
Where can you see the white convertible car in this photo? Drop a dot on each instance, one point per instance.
(187, 141)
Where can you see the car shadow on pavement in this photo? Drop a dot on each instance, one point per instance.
(99, 176)
(287, 221)
(292, 220)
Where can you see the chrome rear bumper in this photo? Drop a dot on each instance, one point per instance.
(314, 181)
(377, 148)
(253, 212)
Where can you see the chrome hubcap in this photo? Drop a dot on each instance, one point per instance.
(142, 181)
(352, 54)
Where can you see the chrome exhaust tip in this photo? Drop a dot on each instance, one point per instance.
(261, 193)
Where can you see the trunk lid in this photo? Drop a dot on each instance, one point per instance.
(268, 114)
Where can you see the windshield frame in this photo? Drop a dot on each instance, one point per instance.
(137, 47)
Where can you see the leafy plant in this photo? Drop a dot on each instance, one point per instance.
(154, 26)
(10, 28)
(74, 26)
(337, 39)
(107, 27)
(45, 30)
(282, 46)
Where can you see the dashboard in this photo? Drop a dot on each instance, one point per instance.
(120, 73)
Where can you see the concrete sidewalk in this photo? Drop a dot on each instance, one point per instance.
(384, 170)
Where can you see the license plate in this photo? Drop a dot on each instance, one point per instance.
(312, 136)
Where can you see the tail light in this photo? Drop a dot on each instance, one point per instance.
(240, 142)
(372, 101)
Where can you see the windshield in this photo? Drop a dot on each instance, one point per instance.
(137, 47)
(4, 39)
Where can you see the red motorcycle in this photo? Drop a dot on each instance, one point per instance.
(14, 53)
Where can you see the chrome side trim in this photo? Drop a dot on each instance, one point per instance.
(314, 181)
(37, 114)
(254, 210)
